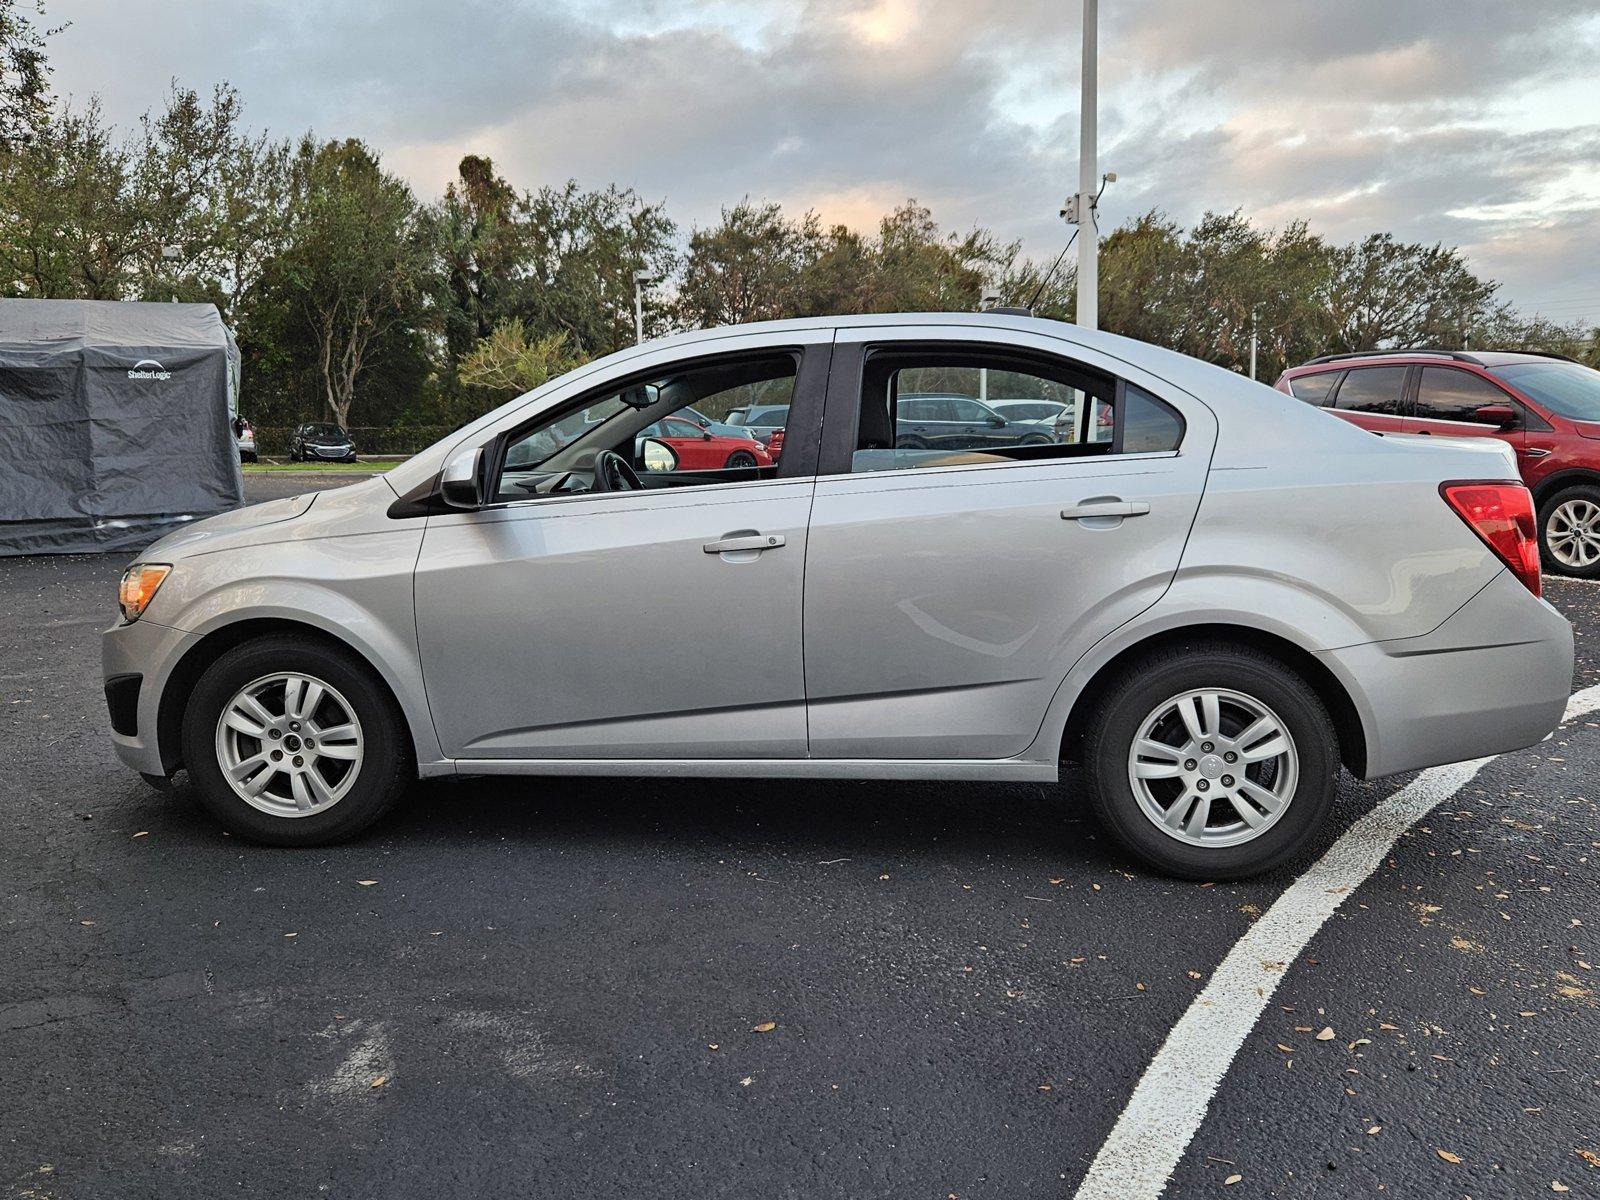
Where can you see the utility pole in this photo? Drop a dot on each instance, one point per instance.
(1088, 173)
(1254, 340)
(641, 280)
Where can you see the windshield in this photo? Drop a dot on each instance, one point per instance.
(324, 431)
(1567, 389)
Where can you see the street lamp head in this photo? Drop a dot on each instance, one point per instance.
(644, 277)
(1109, 177)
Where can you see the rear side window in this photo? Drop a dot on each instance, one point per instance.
(1314, 389)
(909, 396)
(1451, 394)
(1377, 390)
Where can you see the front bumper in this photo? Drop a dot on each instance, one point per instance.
(1495, 677)
(150, 652)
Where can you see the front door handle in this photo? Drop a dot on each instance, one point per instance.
(751, 541)
(1105, 508)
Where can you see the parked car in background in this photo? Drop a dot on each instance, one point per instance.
(720, 428)
(699, 449)
(1546, 407)
(321, 441)
(244, 435)
(1201, 610)
(762, 420)
(1032, 412)
(954, 422)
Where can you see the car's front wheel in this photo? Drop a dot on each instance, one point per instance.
(1569, 532)
(294, 742)
(740, 458)
(1211, 761)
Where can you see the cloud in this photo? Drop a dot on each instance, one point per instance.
(1469, 123)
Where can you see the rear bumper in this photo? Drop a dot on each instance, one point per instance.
(1494, 677)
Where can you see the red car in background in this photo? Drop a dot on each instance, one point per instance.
(701, 450)
(1546, 406)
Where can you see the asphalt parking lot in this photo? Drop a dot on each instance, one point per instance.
(718, 988)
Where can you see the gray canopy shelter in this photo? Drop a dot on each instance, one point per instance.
(116, 422)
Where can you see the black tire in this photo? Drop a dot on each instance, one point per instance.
(1038, 439)
(910, 443)
(387, 765)
(1547, 510)
(1167, 674)
(740, 459)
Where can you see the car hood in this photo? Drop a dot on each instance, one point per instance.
(325, 439)
(194, 538)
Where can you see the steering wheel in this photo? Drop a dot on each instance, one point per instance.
(612, 473)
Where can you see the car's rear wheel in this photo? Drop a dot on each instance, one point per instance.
(1038, 439)
(741, 458)
(910, 443)
(294, 742)
(1569, 532)
(1211, 761)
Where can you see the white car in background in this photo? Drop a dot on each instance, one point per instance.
(245, 434)
(1031, 412)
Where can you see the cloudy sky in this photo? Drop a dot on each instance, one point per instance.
(1472, 122)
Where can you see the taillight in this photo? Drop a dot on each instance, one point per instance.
(1502, 515)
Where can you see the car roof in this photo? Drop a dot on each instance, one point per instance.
(1476, 358)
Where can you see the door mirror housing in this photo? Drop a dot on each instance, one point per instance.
(998, 422)
(461, 483)
(1501, 416)
(657, 457)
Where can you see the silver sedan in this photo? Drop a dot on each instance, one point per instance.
(1209, 599)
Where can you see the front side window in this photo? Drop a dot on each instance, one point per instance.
(556, 454)
(1567, 389)
(1451, 394)
(1377, 390)
(926, 408)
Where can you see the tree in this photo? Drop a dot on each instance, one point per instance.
(508, 360)
(24, 71)
(482, 244)
(356, 269)
(86, 215)
(581, 252)
(1385, 293)
(751, 266)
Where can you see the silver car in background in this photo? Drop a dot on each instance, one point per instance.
(1207, 598)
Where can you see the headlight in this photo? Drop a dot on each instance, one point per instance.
(140, 583)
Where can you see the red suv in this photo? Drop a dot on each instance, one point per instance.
(1546, 406)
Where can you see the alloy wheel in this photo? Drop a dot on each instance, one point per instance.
(1213, 767)
(289, 744)
(1572, 534)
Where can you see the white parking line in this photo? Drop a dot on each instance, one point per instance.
(1165, 1110)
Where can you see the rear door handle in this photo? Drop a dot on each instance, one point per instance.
(752, 541)
(1105, 508)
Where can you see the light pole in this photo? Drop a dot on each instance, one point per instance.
(1254, 339)
(1088, 170)
(641, 280)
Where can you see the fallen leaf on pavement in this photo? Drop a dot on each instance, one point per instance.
(366, 882)
(766, 1027)
(142, 833)
(380, 1081)
(1326, 1035)
(1231, 1180)
(1447, 1156)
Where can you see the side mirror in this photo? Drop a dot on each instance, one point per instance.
(1501, 416)
(997, 422)
(658, 457)
(461, 481)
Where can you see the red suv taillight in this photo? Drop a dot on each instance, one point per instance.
(1501, 514)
